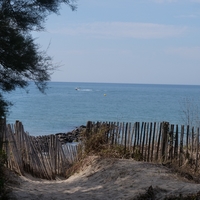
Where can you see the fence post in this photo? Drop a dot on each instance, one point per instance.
(135, 136)
(122, 140)
(158, 141)
(125, 141)
(143, 140)
(192, 142)
(88, 129)
(141, 132)
(176, 144)
(152, 149)
(187, 141)
(197, 149)
(164, 143)
(149, 145)
(171, 140)
(129, 136)
(181, 146)
(116, 132)
(138, 133)
(146, 142)
(119, 134)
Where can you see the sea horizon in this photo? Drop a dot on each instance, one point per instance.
(178, 84)
(63, 108)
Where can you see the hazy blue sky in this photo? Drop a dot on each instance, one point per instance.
(126, 41)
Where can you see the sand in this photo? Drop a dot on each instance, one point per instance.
(106, 179)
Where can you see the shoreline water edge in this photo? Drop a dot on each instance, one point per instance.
(64, 107)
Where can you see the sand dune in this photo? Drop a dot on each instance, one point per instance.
(106, 179)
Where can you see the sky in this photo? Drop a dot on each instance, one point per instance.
(125, 41)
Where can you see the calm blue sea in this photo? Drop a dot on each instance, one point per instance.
(63, 107)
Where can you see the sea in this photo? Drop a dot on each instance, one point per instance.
(67, 105)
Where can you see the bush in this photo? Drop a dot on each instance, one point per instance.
(99, 143)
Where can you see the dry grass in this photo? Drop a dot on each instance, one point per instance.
(151, 192)
(187, 170)
(99, 144)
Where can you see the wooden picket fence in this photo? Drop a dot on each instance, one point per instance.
(46, 157)
(43, 157)
(152, 142)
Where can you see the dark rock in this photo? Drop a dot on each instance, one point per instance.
(69, 137)
(72, 136)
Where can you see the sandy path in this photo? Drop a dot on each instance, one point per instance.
(107, 179)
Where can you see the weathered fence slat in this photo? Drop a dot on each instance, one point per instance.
(171, 140)
(192, 142)
(129, 136)
(46, 157)
(176, 144)
(149, 144)
(117, 133)
(197, 149)
(143, 141)
(146, 142)
(187, 141)
(181, 146)
(43, 158)
(125, 139)
(141, 132)
(158, 142)
(153, 138)
(134, 135)
(164, 141)
(123, 129)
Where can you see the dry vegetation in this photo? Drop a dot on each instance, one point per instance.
(99, 145)
(151, 195)
(3, 177)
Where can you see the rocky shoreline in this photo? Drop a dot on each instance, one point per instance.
(69, 137)
(72, 136)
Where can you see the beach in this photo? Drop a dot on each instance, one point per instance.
(106, 178)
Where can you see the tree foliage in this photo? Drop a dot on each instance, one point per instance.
(21, 59)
